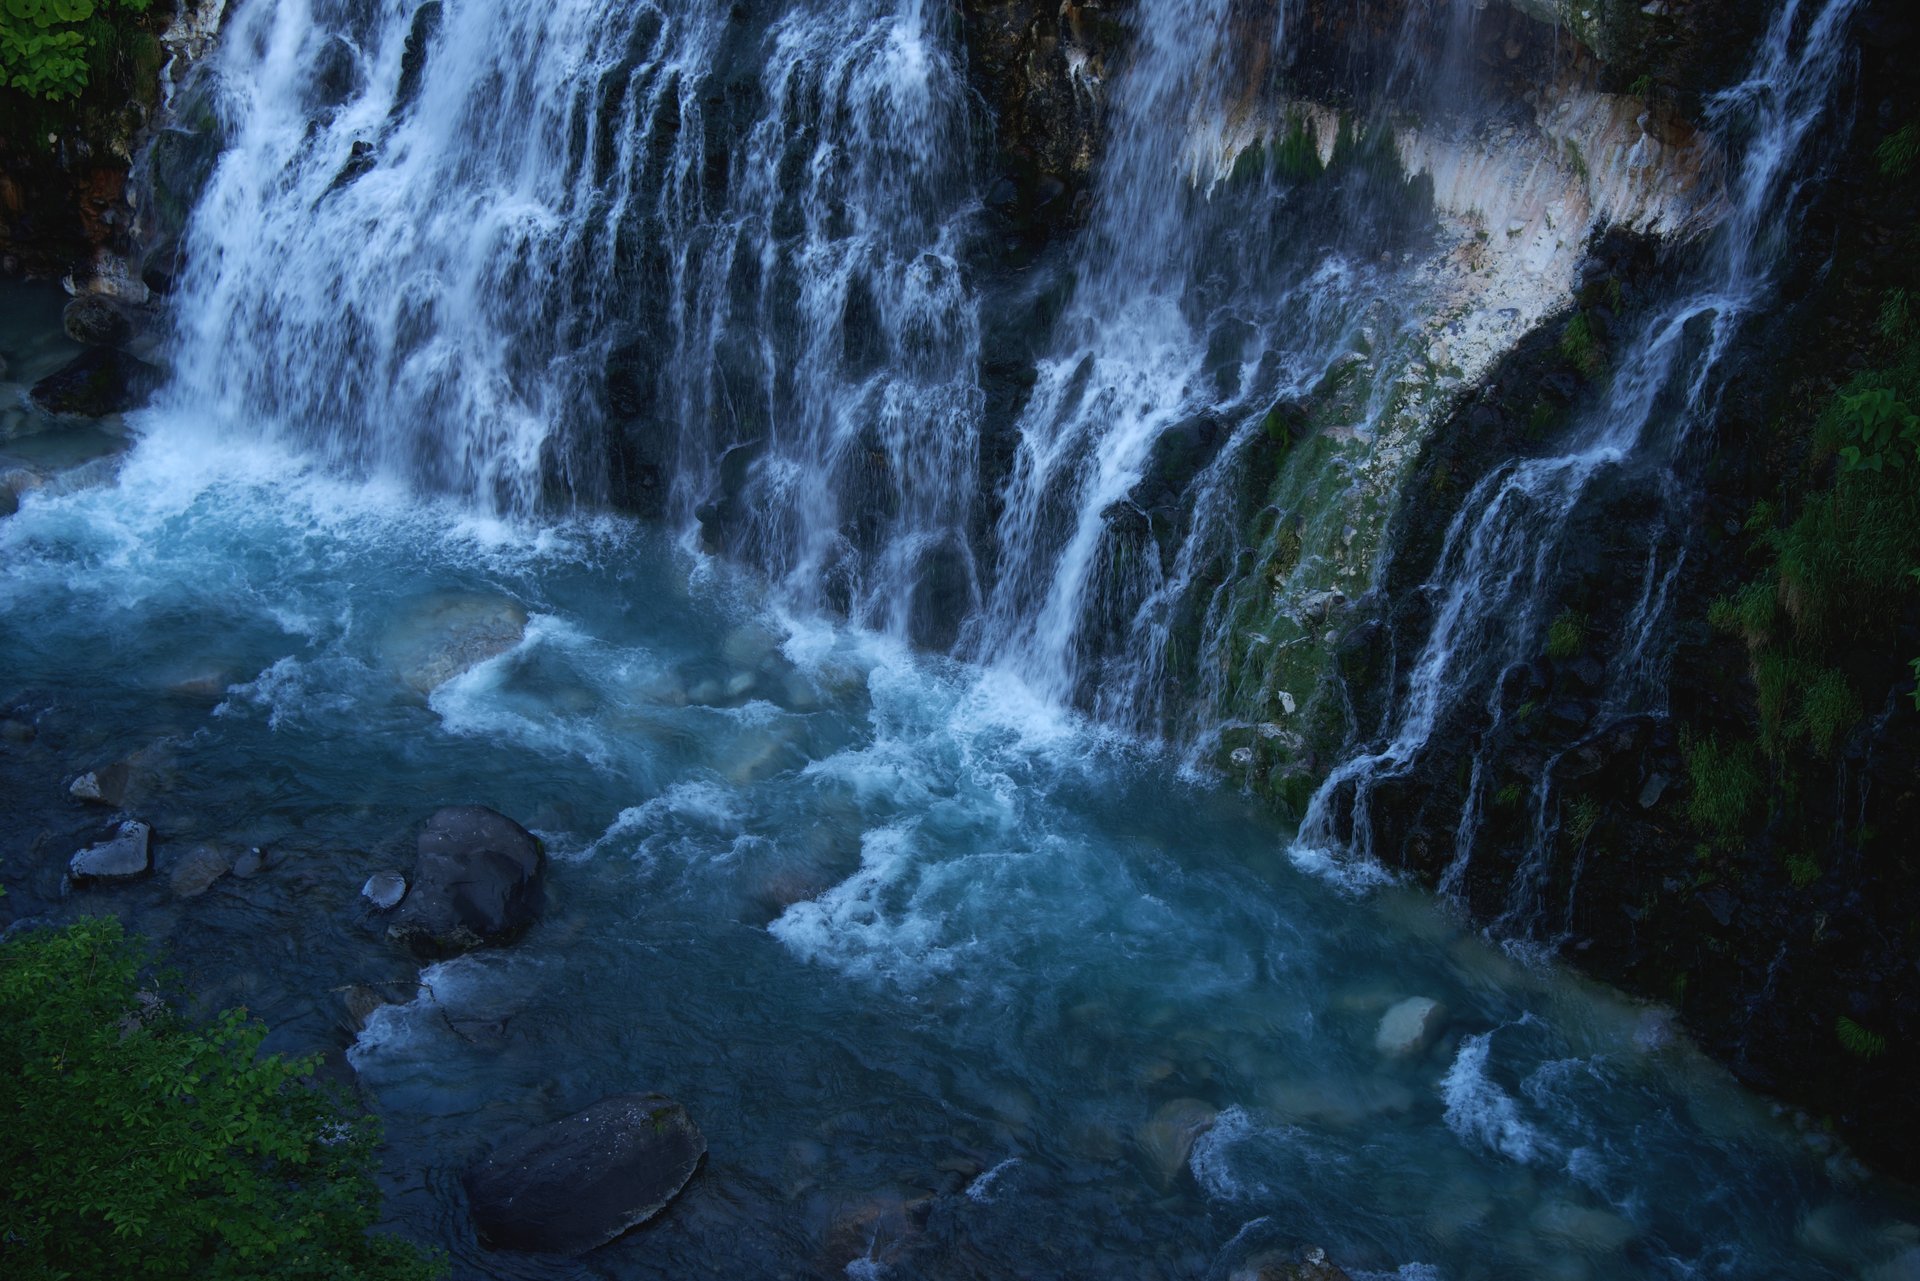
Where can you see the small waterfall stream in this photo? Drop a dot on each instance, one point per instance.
(1493, 588)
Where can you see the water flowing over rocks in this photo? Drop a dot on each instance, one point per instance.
(476, 883)
(578, 1183)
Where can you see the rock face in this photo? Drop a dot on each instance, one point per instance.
(477, 882)
(579, 1183)
(1409, 1027)
(126, 855)
(97, 382)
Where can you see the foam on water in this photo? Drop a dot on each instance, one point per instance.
(1479, 1110)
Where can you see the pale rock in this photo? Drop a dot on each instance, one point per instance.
(384, 890)
(1409, 1027)
(126, 855)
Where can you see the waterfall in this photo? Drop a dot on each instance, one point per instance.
(1492, 590)
(698, 261)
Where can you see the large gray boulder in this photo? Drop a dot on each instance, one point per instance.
(125, 856)
(579, 1183)
(477, 882)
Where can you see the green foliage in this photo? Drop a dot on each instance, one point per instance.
(1580, 347)
(1577, 160)
(1749, 613)
(1858, 1041)
(136, 1143)
(1567, 634)
(1827, 710)
(1726, 785)
(50, 48)
(1881, 432)
(1899, 151)
(1803, 870)
(1582, 816)
(1508, 797)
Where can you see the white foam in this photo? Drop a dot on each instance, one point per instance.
(1479, 1111)
(980, 1191)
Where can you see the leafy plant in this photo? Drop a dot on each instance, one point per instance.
(1877, 423)
(1859, 1041)
(1748, 613)
(48, 47)
(1582, 816)
(1828, 710)
(138, 1144)
(1898, 151)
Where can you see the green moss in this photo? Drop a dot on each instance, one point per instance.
(1567, 634)
(1725, 785)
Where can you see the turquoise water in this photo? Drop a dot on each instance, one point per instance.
(957, 984)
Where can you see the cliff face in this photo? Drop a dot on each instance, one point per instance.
(70, 172)
(1739, 853)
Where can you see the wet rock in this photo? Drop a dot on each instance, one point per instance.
(104, 786)
(384, 890)
(443, 635)
(250, 864)
(1167, 1139)
(127, 855)
(17, 732)
(1310, 1265)
(579, 1183)
(1409, 1027)
(97, 321)
(1654, 788)
(477, 883)
(97, 382)
(195, 871)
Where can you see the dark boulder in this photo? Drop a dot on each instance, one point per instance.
(568, 1187)
(97, 382)
(97, 321)
(477, 882)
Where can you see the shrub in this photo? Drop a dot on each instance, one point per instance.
(49, 48)
(138, 1144)
(1748, 613)
(1803, 870)
(1725, 785)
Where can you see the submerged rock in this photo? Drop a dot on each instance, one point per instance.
(126, 855)
(477, 882)
(1167, 1139)
(97, 382)
(438, 637)
(1409, 1027)
(579, 1183)
(196, 870)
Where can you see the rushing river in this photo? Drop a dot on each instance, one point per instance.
(956, 983)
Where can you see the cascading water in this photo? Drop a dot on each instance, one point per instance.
(686, 257)
(957, 983)
(1493, 589)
